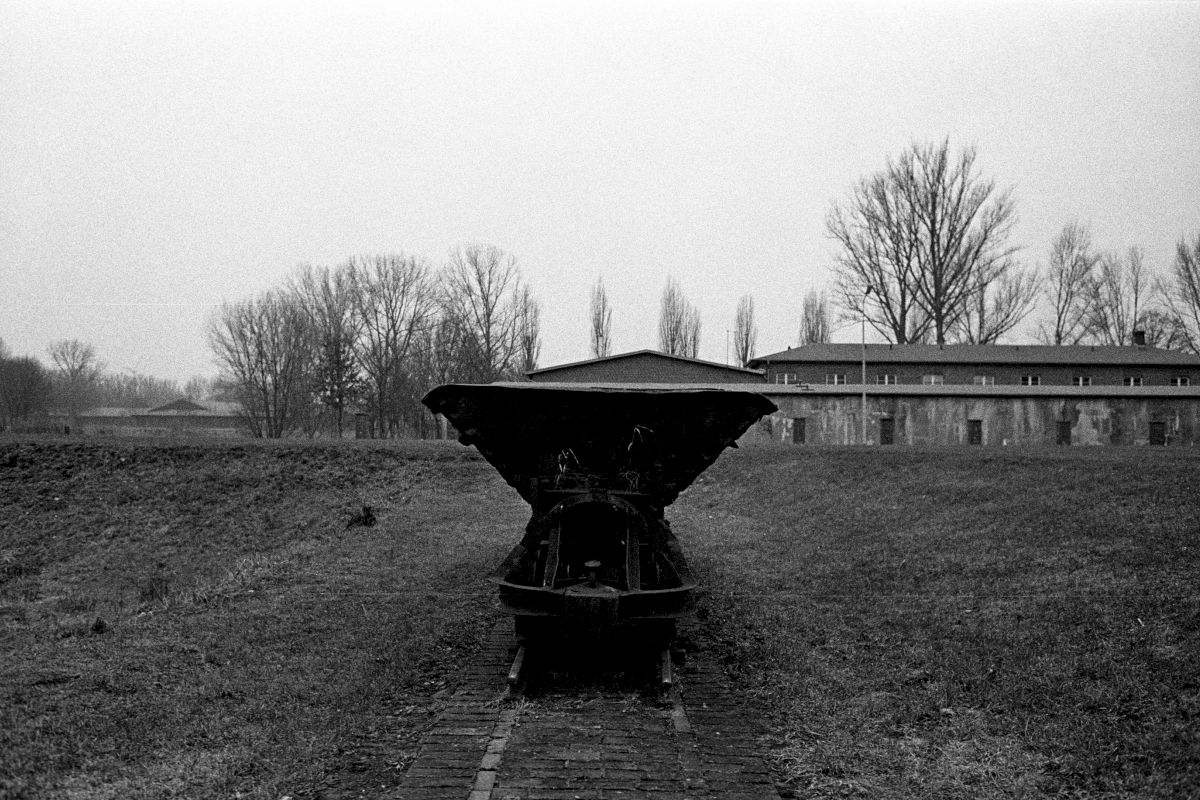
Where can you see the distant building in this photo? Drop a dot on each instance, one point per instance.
(948, 395)
(981, 365)
(181, 417)
(645, 366)
(982, 394)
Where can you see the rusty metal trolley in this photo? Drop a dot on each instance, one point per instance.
(598, 465)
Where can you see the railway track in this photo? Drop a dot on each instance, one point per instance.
(601, 729)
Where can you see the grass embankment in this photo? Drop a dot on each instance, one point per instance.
(960, 623)
(196, 621)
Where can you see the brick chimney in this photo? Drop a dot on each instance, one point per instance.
(1139, 338)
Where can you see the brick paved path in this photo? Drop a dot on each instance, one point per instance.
(589, 728)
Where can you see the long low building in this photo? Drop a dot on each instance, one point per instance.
(982, 415)
(181, 417)
(953, 395)
(984, 394)
(980, 365)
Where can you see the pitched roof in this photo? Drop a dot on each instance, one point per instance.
(182, 404)
(618, 356)
(211, 408)
(984, 354)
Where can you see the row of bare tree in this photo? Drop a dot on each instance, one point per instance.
(1102, 298)
(924, 255)
(25, 389)
(375, 333)
(679, 323)
(924, 251)
(78, 380)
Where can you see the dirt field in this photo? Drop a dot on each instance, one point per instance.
(197, 621)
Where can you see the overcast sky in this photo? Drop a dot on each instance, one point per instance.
(158, 158)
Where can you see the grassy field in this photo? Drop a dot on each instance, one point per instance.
(961, 622)
(196, 621)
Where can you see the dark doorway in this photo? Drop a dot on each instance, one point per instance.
(887, 430)
(1158, 432)
(974, 431)
(798, 430)
(1064, 432)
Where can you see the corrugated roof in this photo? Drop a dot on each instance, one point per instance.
(619, 356)
(983, 354)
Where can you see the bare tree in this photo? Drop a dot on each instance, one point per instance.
(528, 330)
(328, 297)
(265, 346)
(24, 390)
(135, 390)
(678, 323)
(964, 225)
(1181, 294)
(875, 270)
(998, 306)
(75, 359)
(924, 233)
(691, 333)
(199, 388)
(1068, 279)
(1160, 328)
(1118, 295)
(601, 316)
(76, 371)
(480, 285)
(814, 319)
(393, 301)
(436, 358)
(745, 331)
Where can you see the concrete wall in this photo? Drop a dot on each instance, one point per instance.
(944, 420)
(1001, 374)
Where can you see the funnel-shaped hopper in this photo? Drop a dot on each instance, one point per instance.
(651, 441)
(598, 465)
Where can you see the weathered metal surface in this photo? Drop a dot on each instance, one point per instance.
(597, 466)
(653, 442)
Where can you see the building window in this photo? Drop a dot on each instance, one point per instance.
(985, 380)
(785, 377)
(1081, 380)
(1031, 380)
(886, 380)
(1133, 381)
(932, 380)
(836, 378)
(1183, 381)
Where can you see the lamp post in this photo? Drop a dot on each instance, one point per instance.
(864, 365)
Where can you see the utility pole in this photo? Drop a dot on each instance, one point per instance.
(864, 365)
